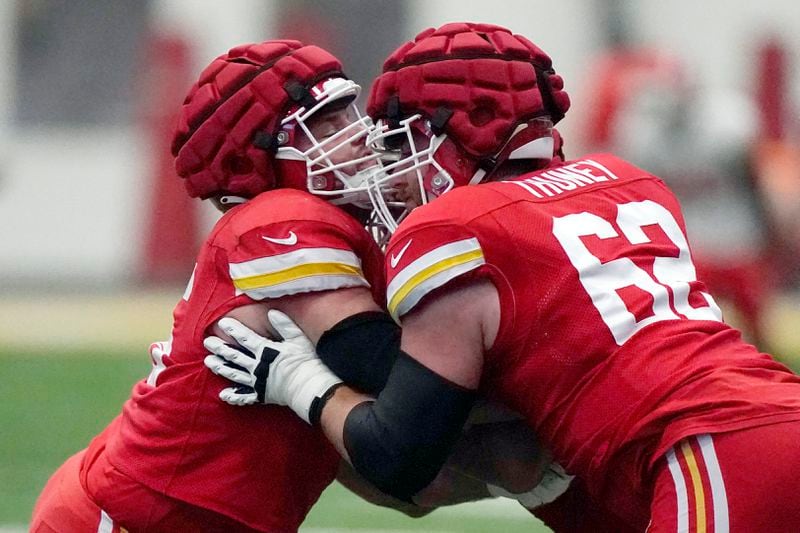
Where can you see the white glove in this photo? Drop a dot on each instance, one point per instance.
(238, 364)
(286, 372)
(554, 483)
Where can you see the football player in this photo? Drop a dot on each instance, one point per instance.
(276, 118)
(567, 291)
(270, 133)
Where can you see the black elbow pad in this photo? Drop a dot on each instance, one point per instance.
(400, 442)
(361, 350)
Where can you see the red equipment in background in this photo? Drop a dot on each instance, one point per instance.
(171, 231)
(701, 141)
(776, 158)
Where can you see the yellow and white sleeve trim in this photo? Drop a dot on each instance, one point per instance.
(306, 270)
(431, 271)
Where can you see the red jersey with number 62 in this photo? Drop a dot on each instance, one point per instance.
(606, 336)
(260, 465)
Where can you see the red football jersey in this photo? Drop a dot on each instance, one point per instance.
(606, 336)
(260, 465)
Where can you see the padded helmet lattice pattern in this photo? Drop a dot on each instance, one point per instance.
(224, 143)
(475, 81)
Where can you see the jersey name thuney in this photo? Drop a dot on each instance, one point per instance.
(567, 178)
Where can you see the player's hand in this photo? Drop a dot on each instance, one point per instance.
(244, 393)
(286, 372)
(554, 483)
(247, 366)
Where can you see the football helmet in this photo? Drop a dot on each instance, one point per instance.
(457, 102)
(246, 127)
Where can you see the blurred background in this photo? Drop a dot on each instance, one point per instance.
(98, 238)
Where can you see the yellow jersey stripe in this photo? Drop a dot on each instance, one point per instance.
(427, 273)
(294, 273)
(697, 485)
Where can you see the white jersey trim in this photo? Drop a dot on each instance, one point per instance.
(106, 524)
(309, 284)
(188, 292)
(430, 271)
(276, 263)
(305, 270)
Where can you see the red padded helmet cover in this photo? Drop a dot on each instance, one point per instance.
(238, 95)
(486, 76)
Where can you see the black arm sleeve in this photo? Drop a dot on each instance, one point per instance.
(400, 441)
(361, 350)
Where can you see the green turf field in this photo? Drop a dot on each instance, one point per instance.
(52, 401)
(51, 404)
(50, 407)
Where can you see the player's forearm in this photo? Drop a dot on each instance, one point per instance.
(400, 441)
(335, 413)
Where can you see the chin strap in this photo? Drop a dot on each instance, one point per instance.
(478, 177)
(229, 200)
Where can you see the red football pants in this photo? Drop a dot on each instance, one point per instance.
(66, 507)
(743, 481)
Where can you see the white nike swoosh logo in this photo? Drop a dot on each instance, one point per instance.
(396, 258)
(288, 241)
